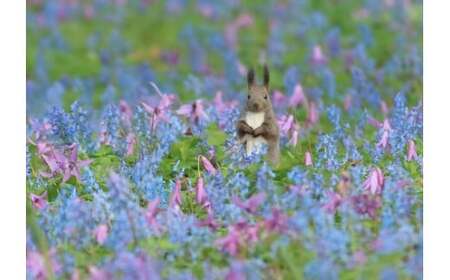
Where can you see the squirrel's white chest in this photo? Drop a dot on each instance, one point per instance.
(254, 120)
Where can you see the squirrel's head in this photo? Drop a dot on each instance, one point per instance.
(258, 99)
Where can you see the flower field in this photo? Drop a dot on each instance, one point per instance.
(134, 169)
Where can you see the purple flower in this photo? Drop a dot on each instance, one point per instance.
(374, 183)
(366, 204)
(251, 205)
(277, 222)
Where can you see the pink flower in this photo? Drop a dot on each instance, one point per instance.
(298, 97)
(200, 194)
(374, 122)
(384, 108)
(194, 111)
(175, 197)
(230, 243)
(208, 165)
(97, 274)
(294, 135)
(126, 112)
(313, 114)
(152, 212)
(278, 98)
(101, 233)
(88, 11)
(276, 223)
(285, 123)
(231, 30)
(374, 183)
(359, 258)
(308, 158)
(131, 142)
(157, 114)
(73, 165)
(347, 102)
(317, 56)
(209, 222)
(251, 205)
(39, 201)
(385, 136)
(221, 105)
(334, 200)
(412, 153)
(36, 264)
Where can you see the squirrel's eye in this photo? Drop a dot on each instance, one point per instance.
(248, 96)
(265, 97)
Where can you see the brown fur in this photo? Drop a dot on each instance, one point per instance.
(259, 101)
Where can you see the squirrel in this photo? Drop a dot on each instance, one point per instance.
(257, 124)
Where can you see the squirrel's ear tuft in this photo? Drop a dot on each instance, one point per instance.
(266, 76)
(250, 77)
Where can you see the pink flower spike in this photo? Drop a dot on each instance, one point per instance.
(384, 108)
(374, 183)
(294, 135)
(208, 165)
(412, 153)
(101, 233)
(298, 97)
(126, 112)
(175, 198)
(317, 56)
(385, 136)
(313, 114)
(308, 158)
(200, 194)
(39, 201)
(131, 142)
(347, 102)
(152, 212)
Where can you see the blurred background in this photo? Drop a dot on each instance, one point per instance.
(102, 51)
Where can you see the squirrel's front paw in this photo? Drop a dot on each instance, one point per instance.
(258, 131)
